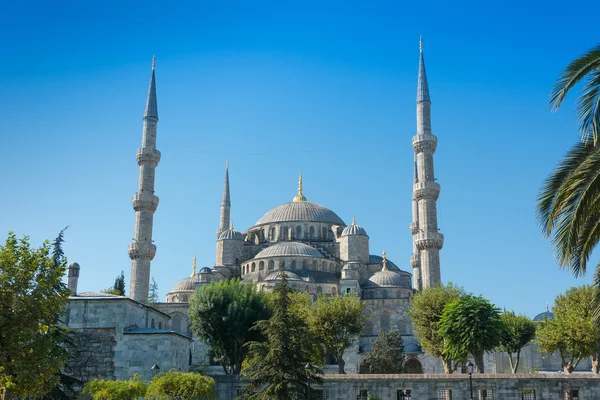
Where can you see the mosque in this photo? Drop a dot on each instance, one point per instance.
(319, 251)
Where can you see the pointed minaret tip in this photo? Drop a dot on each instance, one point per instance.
(422, 86)
(151, 110)
(226, 200)
(384, 261)
(299, 197)
(227, 163)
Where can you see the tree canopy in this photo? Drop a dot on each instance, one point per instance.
(153, 293)
(572, 331)
(517, 332)
(470, 325)
(337, 322)
(101, 389)
(276, 367)
(387, 354)
(222, 314)
(32, 298)
(180, 385)
(118, 288)
(427, 307)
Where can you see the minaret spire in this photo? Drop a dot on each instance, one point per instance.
(299, 196)
(225, 204)
(427, 241)
(142, 249)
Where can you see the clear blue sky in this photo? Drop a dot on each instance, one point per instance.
(323, 88)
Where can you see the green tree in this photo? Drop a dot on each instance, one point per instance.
(100, 389)
(387, 354)
(153, 293)
(517, 332)
(337, 322)
(470, 325)
(222, 314)
(572, 331)
(180, 385)
(426, 311)
(32, 298)
(276, 367)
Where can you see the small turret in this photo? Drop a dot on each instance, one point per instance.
(354, 244)
(73, 277)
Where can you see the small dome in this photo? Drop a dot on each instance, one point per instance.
(388, 279)
(274, 276)
(300, 211)
(206, 270)
(354, 229)
(289, 249)
(231, 234)
(185, 285)
(74, 265)
(544, 315)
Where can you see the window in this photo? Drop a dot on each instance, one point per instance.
(333, 290)
(261, 265)
(571, 394)
(271, 265)
(403, 394)
(361, 394)
(152, 324)
(527, 394)
(286, 233)
(486, 394)
(298, 232)
(385, 322)
(253, 267)
(159, 325)
(312, 232)
(444, 394)
(304, 265)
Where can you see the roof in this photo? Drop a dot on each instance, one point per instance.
(275, 276)
(231, 234)
(374, 259)
(185, 285)
(544, 315)
(289, 249)
(354, 229)
(300, 211)
(388, 279)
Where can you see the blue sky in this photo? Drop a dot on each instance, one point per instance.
(323, 88)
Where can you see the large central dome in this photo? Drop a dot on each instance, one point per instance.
(300, 211)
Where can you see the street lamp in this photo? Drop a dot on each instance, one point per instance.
(308, 367)
(155, 370)
(470, 371)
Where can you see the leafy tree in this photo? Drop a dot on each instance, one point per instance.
(571, 332)
(100, 389)
(276, 367)
(387, 354)
(426, 312)
(302, 305)
(32, 298)
(470, 325)
(153, 293)
(517, 332)
(180, 385)
(222, 314)
(337, 322)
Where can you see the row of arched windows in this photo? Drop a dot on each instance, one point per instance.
(291, 233)
(325, 266)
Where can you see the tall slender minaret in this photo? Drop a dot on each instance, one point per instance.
(225, 204)
(142, 250)
(426, 238)
(415, 260)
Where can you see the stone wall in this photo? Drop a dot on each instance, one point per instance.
(447, 387)
(93, 354)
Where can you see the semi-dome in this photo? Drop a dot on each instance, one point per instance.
(354, 229)
(206, 270)
(231, 234)
(185, 285)
(275, 276)
(300, 211)
(289, 249)
(388, 278)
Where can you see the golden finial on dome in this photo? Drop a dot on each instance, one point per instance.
(384, 262)
(299, 196)
(194, 267)
(231, 225)
(354, 221)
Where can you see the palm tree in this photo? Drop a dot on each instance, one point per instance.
(569, 201)
(586, 67)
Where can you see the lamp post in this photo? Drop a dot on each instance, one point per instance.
(308, 367)
(470, 371)
(155, 370)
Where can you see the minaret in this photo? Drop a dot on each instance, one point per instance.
(225, 204)
(142, 250)
(427, 240)
(415, 260)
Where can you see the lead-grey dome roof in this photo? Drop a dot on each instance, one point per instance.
(373, 259)
(231, 234)
(388, 279)
(300, 211)
(185, 285)
(206, 270)
(275, 276)
(289, 249)
(354, 229)
(544, 315)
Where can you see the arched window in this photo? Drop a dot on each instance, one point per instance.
(298, 232)
(261, 265)
(331, 269)
(271, 264)
(324, 234)
(312, 232)
(253, 267)
(306, 288)
(385, 322)
(286, 233)
(314, 265)
(152, 323)
(272, 233)
(304, 265)
(319, 290)
(159, 324)
(368, 328)
(294, 264)
(333, 290)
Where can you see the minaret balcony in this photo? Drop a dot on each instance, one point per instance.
(414, 227)
(429, 240)
(424, 143)
(147, 156)
(144, 201)
(143, 250)
(426, 190)
(415, 261)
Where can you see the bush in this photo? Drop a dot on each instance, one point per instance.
(180, 385)
(101, 389)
